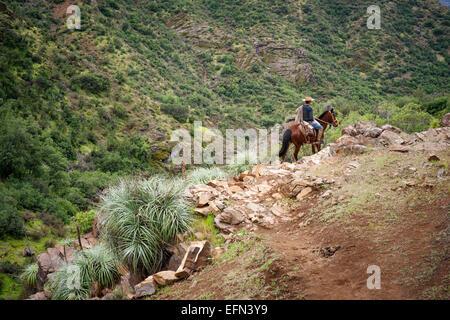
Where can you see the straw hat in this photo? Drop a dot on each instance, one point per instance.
(308, 99)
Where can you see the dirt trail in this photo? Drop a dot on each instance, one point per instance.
(388, 207)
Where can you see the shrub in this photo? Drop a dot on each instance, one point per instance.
(139, 217)
(65, 285)
(74, 281)
(204, 175)
(28, 276)
(178, 112)
(84, 220)
(100, 265)
(93, 83)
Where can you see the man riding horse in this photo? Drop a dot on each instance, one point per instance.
(306, 113)
(298, 133)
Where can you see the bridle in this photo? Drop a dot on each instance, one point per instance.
(330, 123)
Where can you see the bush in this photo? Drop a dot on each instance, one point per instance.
(74, 281)
(28, 276)
(138, 218)
(93, 83)
(178, 112)
(204, 175)
(11, 223)
(84, 220)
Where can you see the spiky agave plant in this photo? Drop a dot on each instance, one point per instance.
(100, 264)
(28, 276)
(74, 281)
(139, 217)
(70, 283)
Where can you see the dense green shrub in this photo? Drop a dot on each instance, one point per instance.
(84, 219)
(93, 83)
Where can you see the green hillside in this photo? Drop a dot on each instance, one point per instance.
(80, 108)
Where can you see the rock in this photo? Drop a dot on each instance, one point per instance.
(231, 216)
(203, 198)
(389, 137)
(350, 131)
(145, 288)
(304, 193)
(125, 286)
(433, 157)
(388, 127)
(445, 122)
(397, 148)
(204, 211)
(196, 257)
(42, 295)
(373, 132)
(235, 189)
(351, 149)
(353, 164)
(363, 127)
(277, 196)
(327, 194)
(255, 207)
(50, 261)
(278, 210)
(347, 140)
(165, 277)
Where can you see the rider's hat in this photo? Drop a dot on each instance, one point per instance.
(308, 99)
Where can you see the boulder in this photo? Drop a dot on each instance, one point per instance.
(203, 198)
(50, 261)
(349, 131)
(373, 132)
(347, 140)
(231, 216)
(363, 127)
(445, 122)
(388, 127)
(204, 211)
(125, 285)
(196, 257)
(165, 277)
(42, 295)
(304, 193)
(145, 288)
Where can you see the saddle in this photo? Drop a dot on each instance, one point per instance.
(308, 129)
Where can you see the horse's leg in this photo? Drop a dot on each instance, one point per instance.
(284, 156)
(297, 149)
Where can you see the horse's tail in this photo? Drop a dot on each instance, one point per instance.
(286, 140)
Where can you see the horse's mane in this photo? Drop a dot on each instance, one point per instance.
(323, 113)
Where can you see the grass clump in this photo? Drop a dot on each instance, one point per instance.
(204, 175)
(28, 276)
(74, 281)
(139, 217)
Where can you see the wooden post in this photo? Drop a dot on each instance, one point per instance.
(79, 237)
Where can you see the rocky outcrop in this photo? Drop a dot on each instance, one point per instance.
(50, 261)
(445, 122)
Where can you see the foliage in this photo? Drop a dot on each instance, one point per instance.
(84, 219)
(204, 175)
(138, 217)
(29, 275)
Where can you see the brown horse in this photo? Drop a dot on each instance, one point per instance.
(298, 137)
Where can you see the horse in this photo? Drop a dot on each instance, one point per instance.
(296, 135)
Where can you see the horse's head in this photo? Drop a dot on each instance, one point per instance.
(333, 118)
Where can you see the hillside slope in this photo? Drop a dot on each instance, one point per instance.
(315, 226)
